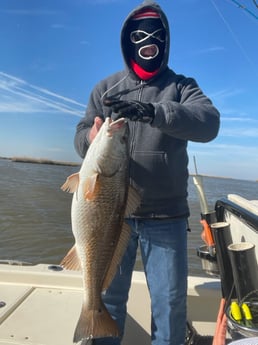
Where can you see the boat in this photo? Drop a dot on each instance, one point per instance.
(40, 304)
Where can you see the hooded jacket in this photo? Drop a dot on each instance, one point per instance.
(158, 151)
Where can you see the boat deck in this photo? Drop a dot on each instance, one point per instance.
(40, 305)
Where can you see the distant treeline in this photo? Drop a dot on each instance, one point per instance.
(40, 161)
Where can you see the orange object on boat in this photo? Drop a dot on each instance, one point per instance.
(206, 234)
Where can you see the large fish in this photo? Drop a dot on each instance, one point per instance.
(101, 200)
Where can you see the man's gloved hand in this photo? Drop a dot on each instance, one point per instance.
(133, 110)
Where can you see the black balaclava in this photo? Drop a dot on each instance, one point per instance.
(146, 39)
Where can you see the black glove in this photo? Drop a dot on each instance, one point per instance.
(133, 110)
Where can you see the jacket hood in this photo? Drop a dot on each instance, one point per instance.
(155, 7)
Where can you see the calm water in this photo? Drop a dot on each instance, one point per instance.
(35, 213)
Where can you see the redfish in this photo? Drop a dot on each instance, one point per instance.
(102, 199)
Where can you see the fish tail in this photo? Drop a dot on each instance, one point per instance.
(95, 324)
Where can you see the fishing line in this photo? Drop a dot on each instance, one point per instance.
(115, 85)
(245, 8)
(234, 37)
(123, 92)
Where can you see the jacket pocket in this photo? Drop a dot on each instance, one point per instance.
(151, 174)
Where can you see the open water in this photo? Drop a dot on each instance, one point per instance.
(35, 224)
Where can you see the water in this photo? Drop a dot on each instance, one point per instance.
(35, 223)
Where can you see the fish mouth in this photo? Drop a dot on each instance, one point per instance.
(149, 52)
(115, 126)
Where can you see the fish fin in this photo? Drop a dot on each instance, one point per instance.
(71, 184)
(91, 187)
(133, 201)
(95, 324)
(118, 254)
(71, 260)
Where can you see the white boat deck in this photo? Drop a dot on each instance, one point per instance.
(41, 306)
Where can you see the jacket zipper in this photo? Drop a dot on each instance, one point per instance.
(134, 128)
(140, 90)
(135, 123)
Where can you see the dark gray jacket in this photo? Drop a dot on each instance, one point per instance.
(158, 165)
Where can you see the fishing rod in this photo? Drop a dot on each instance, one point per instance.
(197, 179)
(246, 9)
(207, 216)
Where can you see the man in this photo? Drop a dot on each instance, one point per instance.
(164, 110)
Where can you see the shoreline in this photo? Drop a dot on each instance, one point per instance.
(74, 164)
(40, 161)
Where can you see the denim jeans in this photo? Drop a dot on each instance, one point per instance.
(163, 245)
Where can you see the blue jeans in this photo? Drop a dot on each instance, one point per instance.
(163, 245)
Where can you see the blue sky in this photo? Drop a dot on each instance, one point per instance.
(53, 52)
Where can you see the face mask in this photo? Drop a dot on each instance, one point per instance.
(146, 42)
